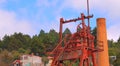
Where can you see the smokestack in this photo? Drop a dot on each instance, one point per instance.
(103, 58)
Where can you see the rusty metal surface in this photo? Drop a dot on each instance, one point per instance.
(78, 46)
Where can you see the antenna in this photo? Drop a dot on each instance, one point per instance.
(88, 13)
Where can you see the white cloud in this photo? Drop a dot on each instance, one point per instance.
(110, 6)
(75, 4)
(2, 1)
(10, 24)
(49, 25)
(55, 24)
(114, 32)
(46, 3)
(110, 9)
(42, 3)
(107, 8)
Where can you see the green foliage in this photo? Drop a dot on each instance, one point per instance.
(53, 38)
(45, 60)
(24, 51)
(67, 62)
(16, 41)
(114, 50)
(94, 33)
(117, 61)
(67, 31)
(15, 55)
(118, 40)
(36, 46)
(71, 63)
(12, 46)
(111, 43)
(6, 57)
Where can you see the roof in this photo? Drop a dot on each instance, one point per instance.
(16, 61)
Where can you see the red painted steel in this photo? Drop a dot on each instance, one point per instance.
(77, 47)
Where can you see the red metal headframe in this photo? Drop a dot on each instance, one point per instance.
(77, 48)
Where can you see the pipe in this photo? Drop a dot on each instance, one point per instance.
(103, 58)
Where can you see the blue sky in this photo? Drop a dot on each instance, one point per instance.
(30, 16)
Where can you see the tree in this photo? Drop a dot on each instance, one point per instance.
(42, 33)
(53, 38)
(94, 33)
(6, 57)
(111, 43)
(113, 51)
(5, 42)
(24, 39)
(45, 60)
(118, 40)
(36, 46)
(117, 61)
(16, 41)
(67, 31)
(49, 40)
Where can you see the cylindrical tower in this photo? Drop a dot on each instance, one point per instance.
(103, 58)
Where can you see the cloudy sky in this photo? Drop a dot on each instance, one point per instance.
(30, 16)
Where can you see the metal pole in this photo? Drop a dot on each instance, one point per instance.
(88, 13)
(60, 30)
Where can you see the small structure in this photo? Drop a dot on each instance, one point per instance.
(113, 58)
(31, 60)
(28, 60)
(50, 61)
(16, 63)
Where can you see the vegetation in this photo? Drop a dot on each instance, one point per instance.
(11, 47)
(114, 48)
